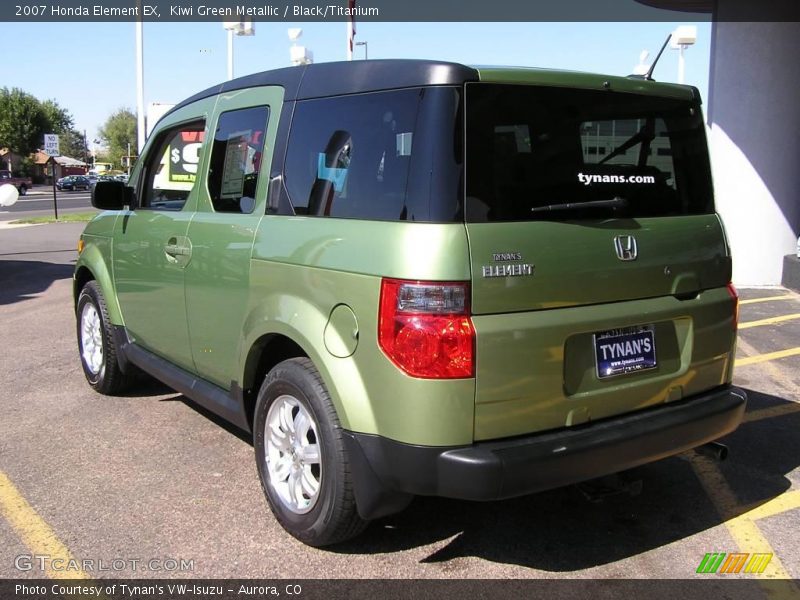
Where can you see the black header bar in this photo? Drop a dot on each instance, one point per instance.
(397, 10)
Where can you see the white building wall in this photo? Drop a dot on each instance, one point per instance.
(754, 117)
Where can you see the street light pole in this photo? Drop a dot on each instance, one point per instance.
(683, 37)
(230, 54)
(236, 28)
(140, 125)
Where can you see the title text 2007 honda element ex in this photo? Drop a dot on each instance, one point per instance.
(420, 278)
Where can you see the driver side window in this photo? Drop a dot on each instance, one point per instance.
(171, 168)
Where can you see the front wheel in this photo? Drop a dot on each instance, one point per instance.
(98, 351)
(301, 457)
(23, 190)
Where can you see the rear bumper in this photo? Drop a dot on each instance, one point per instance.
(388, 473)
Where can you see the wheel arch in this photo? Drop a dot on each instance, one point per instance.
(266, 352)
(340, 375)
(92, 266)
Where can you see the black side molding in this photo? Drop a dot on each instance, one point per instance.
(227, 405)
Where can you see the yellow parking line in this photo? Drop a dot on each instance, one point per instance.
(770, 321)
(780, 504)
(758, 358)
(32, 530)
(772, 411)
(768, 299)
(742, 528)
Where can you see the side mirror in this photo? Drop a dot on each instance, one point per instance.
(111, 195)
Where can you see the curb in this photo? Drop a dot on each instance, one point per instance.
(10, 225)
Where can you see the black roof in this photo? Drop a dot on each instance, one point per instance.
(350, 77)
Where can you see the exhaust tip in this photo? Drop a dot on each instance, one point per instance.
(713, 450)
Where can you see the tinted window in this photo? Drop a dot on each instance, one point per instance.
(236, 159)
(531, 150)
(171, 167)
(386, 155)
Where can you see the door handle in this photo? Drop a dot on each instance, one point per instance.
(178, 246)
(176, 250)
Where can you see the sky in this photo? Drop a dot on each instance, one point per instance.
(90, 68)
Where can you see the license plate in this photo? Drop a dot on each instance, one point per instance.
(620, 351)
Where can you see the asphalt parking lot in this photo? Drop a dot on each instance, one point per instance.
(153, 476)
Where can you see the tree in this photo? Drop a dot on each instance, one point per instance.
(58, 118)
(117, 132)
(23, 121)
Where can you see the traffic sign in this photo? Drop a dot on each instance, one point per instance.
(51, 144)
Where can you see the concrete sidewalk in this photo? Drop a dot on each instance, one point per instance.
(39, 190)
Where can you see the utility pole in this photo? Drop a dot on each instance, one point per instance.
(140, 124)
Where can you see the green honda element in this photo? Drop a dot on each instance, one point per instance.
(420, 278)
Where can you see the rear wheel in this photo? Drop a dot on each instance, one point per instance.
(23, 190)
(98, 351)
(301, 458)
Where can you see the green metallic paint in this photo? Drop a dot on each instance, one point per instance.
(217, 281)
(96, 257)
(576, 263)
(300, 272)
(426, 251)
(370, 393)
(150, 282)
(536, 370)
(341, 332)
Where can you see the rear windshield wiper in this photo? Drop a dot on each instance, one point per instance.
(616, 202)
(644, 136)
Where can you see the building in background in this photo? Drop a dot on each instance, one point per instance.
(754, 120)
(64, 165)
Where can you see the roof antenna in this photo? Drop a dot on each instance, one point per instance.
(649, 74)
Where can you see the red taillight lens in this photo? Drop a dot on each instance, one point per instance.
(735, 295)
(425, 329)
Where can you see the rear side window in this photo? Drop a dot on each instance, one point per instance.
(236, 159)
(557, 153)
(391, 155)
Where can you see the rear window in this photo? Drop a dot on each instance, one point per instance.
(537, 153)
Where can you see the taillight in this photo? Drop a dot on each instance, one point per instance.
(425, 329)
(735, 295)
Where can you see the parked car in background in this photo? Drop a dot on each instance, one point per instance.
(73, 182)
(23, 184)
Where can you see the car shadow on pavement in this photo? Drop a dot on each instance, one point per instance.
(226, 425)
(145, 386)
(22, 279)
(562, 531)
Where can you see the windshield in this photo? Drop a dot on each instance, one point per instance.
(535, 153)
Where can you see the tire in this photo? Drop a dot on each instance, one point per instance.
(304, 454)
(23, 190)
(96, 346)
